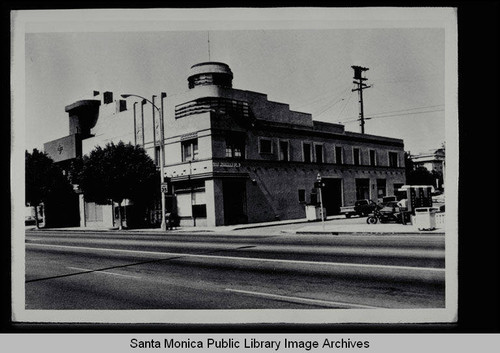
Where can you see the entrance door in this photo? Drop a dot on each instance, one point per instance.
(362, 189)
(235, 202)
(332, 195)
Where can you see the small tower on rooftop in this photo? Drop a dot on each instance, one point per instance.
(210, 73)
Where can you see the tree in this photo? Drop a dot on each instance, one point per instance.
(422, 176)
(44, 180)
(408, 166)
(117, 172)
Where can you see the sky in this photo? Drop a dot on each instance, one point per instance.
(308, 67)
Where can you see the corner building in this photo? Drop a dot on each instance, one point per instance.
(232, 156)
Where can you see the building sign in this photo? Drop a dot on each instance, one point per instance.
(62, 149)
(189, 136)
(227, 164)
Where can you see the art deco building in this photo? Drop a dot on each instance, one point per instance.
(233, 156)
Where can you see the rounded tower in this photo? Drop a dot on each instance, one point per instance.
(210, 73)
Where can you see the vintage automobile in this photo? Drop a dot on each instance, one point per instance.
(361, 208)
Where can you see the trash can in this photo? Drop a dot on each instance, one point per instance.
(425, 218)
(313, 212)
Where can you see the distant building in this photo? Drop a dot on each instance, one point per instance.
(232, 156)
(433, 160)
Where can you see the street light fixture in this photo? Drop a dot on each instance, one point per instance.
(162, 151)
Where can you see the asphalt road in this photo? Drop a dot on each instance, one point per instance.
(135, 270)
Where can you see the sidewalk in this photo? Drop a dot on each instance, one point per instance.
(181, 229)
(333, 225)
(379, 228)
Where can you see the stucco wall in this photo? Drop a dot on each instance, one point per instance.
(272, 190)
(111, 127)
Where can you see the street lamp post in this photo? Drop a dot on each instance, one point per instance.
(162, 150)
(321, 200)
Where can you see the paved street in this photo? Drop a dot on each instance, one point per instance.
(243, 269)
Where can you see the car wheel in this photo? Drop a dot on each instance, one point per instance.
(371, 220)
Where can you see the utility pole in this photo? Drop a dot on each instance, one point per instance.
(358, 70)
(208, 45)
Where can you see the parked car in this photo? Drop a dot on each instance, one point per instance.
(361, 208)
(29, 220)
(29, 216)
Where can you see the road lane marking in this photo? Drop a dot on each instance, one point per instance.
(304, 300)
(99, 271)
(301, 262)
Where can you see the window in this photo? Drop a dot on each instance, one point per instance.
(356, 156)
(189, 150)
(265, 146)
(381, 188)
(338, 155)
(302, 195)
(393, 159)
(199, 204)
(235, 147)
(319, 153)
(284, 156)
(306, 152)
(373, 158)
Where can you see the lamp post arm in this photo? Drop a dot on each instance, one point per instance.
(147, 100)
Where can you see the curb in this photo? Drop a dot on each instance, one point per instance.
(361, 232)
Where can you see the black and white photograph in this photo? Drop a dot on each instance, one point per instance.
(235, 166)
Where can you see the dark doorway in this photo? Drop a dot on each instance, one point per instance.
(362, 189)
(332, 195)
(235, 202)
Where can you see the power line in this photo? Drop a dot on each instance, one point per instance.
(329, 107)
(409, 113)
(434, 77)
(393, 115)
(400, 111)
(328, 95)
(409, 109)
(335, 92)
(345, 105)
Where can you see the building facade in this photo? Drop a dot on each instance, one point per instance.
(232, 156)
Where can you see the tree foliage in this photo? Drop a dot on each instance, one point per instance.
(422, 176)
(44, 180)
(117, 172)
